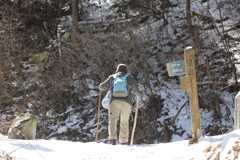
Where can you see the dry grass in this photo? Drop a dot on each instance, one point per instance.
(4, 156)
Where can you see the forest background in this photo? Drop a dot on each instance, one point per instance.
(54, 54)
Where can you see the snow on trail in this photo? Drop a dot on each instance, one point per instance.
(222, 146)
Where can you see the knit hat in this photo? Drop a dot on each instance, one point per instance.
(122, 68)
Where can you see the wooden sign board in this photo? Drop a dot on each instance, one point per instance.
(176, 68)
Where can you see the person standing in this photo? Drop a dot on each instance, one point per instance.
(120, 107)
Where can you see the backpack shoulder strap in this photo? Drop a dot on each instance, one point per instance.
(115, 76)
(125, 76)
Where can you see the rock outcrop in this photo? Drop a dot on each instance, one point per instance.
(23, 127)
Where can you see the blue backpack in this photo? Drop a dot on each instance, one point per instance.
(120, 88)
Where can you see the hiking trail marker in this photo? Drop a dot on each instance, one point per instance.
(176, 68)
(189, 84)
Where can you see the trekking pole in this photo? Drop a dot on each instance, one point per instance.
(135, 120)
(99, 104)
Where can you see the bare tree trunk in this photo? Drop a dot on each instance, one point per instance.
(188, 16)
(189, 22)
(74, 21)
(192, 29)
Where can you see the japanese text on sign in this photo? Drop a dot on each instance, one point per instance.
(176, 68)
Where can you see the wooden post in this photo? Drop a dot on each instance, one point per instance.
(189, 58)
(189, 84)
(237, 112)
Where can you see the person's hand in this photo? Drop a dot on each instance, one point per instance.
(142, 89)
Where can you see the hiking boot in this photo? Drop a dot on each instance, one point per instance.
(124, 143)
(112, 141)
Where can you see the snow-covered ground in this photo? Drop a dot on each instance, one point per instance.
(225, 147)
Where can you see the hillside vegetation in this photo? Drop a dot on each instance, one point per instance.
(51, 66)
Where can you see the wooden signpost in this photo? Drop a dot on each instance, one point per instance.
(189, 84)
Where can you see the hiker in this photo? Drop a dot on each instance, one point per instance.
(120, 105)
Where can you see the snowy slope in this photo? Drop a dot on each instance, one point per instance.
(222, 146)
